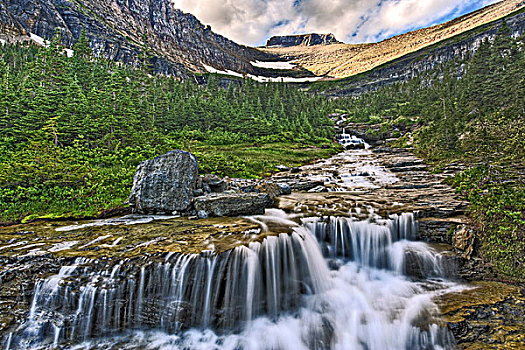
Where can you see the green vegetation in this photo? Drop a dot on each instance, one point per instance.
(469, 111)
(74, 129)
(497, 207)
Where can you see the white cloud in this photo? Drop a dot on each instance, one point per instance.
(253, 21)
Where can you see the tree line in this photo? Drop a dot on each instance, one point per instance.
(73, 129)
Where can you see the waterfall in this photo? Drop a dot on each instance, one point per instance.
(384, 244)
(331, 283)
(184, 291)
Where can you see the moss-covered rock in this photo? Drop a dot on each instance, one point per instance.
(490, 315)
(125, 237)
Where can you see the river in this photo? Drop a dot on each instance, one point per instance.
(341, 267)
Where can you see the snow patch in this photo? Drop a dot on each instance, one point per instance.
(273, 65)
(283, 79)
(69, 52)
(42, 42)
(261, 79)
(38, 39)
(226, 72)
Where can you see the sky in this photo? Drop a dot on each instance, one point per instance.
(252, 22)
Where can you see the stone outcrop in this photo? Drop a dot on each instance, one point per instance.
(302, 40)
(165, 184)
(170, 184)
(8, 24)
(231, 204)
(488, 315)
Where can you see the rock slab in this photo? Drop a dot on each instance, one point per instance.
(164, 184)
(231, 204)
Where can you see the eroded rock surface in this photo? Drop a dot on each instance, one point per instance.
(388, 180)
(302, 40)
(489, 315)
(232, 204)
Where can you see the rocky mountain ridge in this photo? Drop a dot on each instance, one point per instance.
(116, 30)
(302, 40)
(416, 63)
(179, 44)
(344, 60)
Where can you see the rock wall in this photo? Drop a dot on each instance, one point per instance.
(115, 30)
(302, 40)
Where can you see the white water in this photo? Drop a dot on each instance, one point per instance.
(132, 219)
(278, 294)
(356, 169)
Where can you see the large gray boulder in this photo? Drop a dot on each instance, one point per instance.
(165, 184)
(231, 204)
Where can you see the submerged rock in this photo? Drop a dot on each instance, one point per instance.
(232, 204)
(164, 184)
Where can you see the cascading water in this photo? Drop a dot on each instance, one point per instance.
(277, 294)
(199, 290)
(382, 244)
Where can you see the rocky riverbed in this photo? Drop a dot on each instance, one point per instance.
(368, 185)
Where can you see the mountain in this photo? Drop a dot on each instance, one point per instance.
(411, 65)
(117, 30)
(343, 60)
(178, 44)
(302, 40)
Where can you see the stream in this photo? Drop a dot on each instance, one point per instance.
(341, 267)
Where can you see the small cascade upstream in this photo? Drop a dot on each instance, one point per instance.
(384, 244)
(330, 283)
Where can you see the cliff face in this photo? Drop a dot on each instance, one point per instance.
(8, 24)
(413, 64)
(302, 40)
(115, 29)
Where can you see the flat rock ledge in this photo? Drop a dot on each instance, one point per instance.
(170, 185)
(231, 204)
